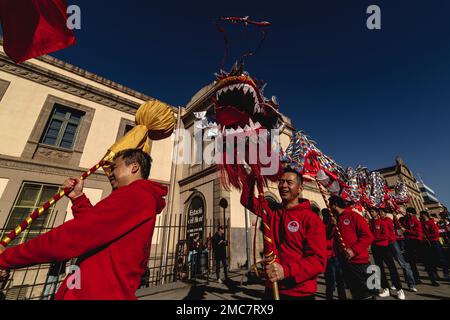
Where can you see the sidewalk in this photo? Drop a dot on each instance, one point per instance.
(238, 288)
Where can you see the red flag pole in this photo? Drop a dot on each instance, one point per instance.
(37, 213)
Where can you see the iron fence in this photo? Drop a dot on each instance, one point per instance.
(172, 258)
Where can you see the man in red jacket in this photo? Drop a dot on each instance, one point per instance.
(299, 237)
(111, 239)
(395, 249)
(382, 254)
(354, 257)
(434, 255)
(412, 229)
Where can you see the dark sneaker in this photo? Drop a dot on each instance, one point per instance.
(435, 284)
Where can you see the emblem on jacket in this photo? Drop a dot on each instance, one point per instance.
(293, 226)
(347, 222)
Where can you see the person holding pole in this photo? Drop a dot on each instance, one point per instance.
(111, 239)
(299, 237)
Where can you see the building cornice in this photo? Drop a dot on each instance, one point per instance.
(14, 163)
(210, 170)
(89, 75)
(63, 83)
(66, 84)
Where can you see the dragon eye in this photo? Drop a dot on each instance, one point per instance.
(275, 100)
(245, 73)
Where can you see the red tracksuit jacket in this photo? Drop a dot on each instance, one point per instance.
(356, 234)
(380, 232)
(413, 228)
(112, 240)
(299, 236)
(392, 237)
(430, 230)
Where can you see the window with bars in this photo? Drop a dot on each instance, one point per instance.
(31, 197)
(62, 128)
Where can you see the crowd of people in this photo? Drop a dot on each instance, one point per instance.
(402, 237)
(339, 243)
(351, 248)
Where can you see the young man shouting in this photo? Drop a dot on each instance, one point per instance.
(111, 239)
(299, 237)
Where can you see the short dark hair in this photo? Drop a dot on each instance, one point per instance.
(425, 213)
(326, 214)
(138, 156)
(411, 210)
(316, 209)
(337, 201)
(299, 176)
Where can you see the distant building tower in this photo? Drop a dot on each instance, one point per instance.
(430, 200)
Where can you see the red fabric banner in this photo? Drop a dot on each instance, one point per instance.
(32, 28)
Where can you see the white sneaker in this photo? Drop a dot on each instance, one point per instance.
(393, 288)
(384, 294)
(401, 295)
(413, 289)
(219, 280)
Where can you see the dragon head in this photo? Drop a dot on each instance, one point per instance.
(239, 102)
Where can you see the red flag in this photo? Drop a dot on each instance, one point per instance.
(32, 28)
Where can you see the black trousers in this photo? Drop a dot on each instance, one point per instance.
(355, 276)
(383, 255)
(413, 250)
(432, 256)
(439, 257)
(333, 279)
(224, 263)
(268, 295)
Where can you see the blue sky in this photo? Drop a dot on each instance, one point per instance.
(364, 96)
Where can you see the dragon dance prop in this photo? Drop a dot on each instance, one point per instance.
(400, 193)
(353, 190)
(241, 111)
(303, 156)
(155, 120)
(371, 191)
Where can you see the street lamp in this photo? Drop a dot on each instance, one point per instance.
(223, 204)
